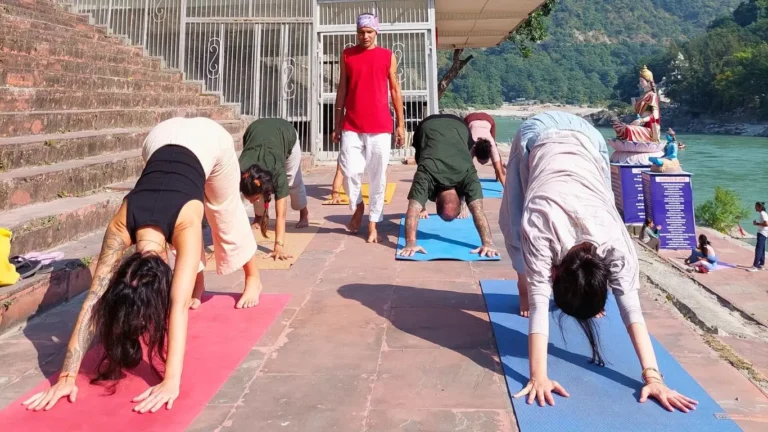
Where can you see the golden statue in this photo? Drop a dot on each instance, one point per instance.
(647, 127)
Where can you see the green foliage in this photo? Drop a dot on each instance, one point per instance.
(723, 212)
(722, 71)
(591, 44)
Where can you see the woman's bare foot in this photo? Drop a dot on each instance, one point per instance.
(357, 219)
(424, 214)
(251, 293)
(600, 315)
(197, 292)
(303, 218)
(522, 287)
(464, 211)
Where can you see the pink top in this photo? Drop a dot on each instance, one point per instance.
(482, 129)
(367, 102)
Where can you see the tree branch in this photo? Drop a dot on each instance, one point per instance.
(452, 72)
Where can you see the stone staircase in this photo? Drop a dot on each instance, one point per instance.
(75, 106)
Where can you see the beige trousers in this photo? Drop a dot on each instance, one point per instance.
(298, 191)
(233, 239)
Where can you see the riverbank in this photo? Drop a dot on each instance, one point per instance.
(522, 112)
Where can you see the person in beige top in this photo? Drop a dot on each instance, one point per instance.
(567, 240)
(191, 170)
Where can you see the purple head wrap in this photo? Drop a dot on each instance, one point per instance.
(367, 20)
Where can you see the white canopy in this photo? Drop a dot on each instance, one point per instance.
(479, 23)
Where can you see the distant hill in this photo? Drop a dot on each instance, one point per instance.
(591, 43)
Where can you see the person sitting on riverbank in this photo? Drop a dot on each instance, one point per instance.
(483, 129)
(650, 234)
(762, 233)
(703, 258)
(567, 241)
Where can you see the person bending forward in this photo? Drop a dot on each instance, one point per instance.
(446, 175)
(559, 219)
(191, 169)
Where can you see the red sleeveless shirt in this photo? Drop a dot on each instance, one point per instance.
(367, 102)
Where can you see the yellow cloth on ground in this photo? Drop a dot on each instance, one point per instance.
(344, 199)
(8, 273)
(296, 240)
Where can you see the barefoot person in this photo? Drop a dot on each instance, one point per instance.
(446, 175)
(559, 218)
(271, 164)
(191, 169)
(483, 129)
(364, 123)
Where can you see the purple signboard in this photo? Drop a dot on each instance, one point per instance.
(627, 184)
(669, 202)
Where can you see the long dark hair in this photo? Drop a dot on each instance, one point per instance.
(258, 181)
(580, 289)
(703, 243)
(135, 307)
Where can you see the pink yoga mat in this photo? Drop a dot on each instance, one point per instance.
(218, 340)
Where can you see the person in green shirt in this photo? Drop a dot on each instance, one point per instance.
(446, 175)
(271, 165)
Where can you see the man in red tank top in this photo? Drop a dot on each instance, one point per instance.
(364, 123)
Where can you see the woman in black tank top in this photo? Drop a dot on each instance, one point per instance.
(141, 298)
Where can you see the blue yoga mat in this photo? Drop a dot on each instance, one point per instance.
(444, 240)
(491, 188)
(602, 398)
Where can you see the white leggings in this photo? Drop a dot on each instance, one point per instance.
(358, 153)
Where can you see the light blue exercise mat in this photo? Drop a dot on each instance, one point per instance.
(491, 188)
(602, 399)
(444, 240)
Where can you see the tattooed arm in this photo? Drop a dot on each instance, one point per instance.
(116, 240)
(411, 225)
(481, 223)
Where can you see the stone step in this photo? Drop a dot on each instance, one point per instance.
(59, 18)
(32, 185)
(35, 150)
(49, 122)
(17, 24)
(111, 45)
(44, 9)
(71, 276)
(111, 54)
(22, 99)
(43, 226)
(27, 186)
(29, 78)
(88, 68)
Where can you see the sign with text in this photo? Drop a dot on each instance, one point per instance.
(669, 202)
(627, 184)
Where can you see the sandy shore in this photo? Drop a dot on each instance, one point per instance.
(525, 111)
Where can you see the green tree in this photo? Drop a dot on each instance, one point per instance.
(723, 212)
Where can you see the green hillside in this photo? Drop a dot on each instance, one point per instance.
(591, 44)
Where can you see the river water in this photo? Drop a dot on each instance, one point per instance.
(734, 162)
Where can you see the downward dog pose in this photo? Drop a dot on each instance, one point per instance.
(363, 121)
(446, 175)
(191, 169)
(566, 238)
(483, 129)
(271, 164)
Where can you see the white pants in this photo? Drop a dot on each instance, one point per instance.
(358, 153)
(298, 192)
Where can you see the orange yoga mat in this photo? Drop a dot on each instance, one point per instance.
(219, 338)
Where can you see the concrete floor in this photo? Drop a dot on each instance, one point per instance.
(368, 343)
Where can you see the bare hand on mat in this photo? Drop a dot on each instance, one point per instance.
(47, 399)
(335, 198)
(411, 250)
(486, 251)
(667, 397)
(278, 254)
(155, 397)
(423, 214)
(541, 389)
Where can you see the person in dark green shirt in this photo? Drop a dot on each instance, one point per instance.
(271, 165)
(446, 175)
